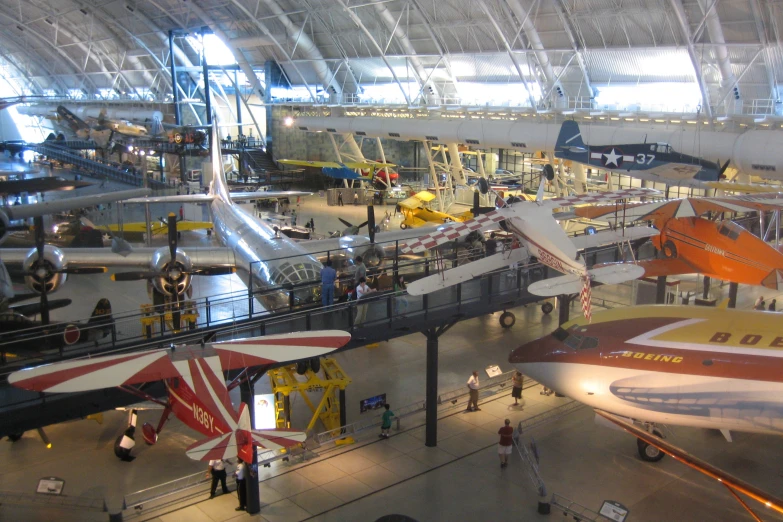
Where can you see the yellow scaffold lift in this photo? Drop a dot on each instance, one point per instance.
(151, 317)
(286, 380)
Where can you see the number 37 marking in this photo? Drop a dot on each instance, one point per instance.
(645, 159)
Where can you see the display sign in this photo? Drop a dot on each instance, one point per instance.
(613, 510)
(264, 411)
(493, 371)
(372, 403)
(50, 486)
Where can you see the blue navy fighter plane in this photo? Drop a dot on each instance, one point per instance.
(650, 161)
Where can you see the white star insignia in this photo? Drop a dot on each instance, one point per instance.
(612, 158)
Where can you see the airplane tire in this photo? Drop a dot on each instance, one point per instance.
(301, 367)
(547, 308)
(647, 452)
(669, 249)
(403, 226)
(507, 319)
(15, 436)
(315, 364)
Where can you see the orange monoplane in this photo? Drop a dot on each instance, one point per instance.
(710, 245)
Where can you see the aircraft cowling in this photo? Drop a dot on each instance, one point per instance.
(5, 226)
(172, 279)
(372, 254)
(43, 272)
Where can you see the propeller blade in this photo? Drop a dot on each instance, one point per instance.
(360, 226)
(723, 168)
(35, 308)
(172, 236)
(370, 223)
(133, 276)
(214, 271)
(39, 246)
(84, 270)
(476, 204)
(344, 222)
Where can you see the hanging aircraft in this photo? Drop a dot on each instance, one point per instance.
(376, 172)
(195, 380)
(690, 244)
(102, 130)
(649, 161)
(54, 336)
(251, 245)
(703, 367)
(536, 233)
(416, 213)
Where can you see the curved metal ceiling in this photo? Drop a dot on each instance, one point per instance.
(565, 48)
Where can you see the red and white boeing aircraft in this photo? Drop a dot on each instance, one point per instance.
(537, 234)
(194, 378)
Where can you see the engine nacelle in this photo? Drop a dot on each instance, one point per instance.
(372, 255)
(40, 272)
(5, 226)
(174, 277)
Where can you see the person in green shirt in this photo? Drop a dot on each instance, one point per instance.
(386, 422)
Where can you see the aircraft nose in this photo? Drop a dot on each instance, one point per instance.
(540, 350)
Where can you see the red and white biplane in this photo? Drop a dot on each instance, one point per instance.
(537, 233)
(196, 385)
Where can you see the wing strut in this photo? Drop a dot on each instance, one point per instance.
(733, 483)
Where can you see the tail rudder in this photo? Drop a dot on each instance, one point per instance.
(219, 186)
(570, 139)
(74, 122)
(101, 313)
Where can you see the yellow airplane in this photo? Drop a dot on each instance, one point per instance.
(158, 227)
(418, 214)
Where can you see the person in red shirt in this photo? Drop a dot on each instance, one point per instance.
(504, 446)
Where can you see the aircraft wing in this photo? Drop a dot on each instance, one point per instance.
(598, 197)
(201, 257)
(610, 274)
(207, 198)
(662, 267)
(335, 165)
(467, 271)
(154, 365)
(609, 237)
(61, 205)
(679, 454)
(157, 227)
(452, 231)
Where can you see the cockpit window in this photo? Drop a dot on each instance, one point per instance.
(575, 342)
(730, 230)
(294, 273)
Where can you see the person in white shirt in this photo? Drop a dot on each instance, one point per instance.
(217, 470)
(241, 486)
(473, 387)
(361, 291)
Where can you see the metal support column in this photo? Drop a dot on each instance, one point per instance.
(343, 408)
(660, 290)
(733, 287)
(251, 471)
(431, 395)
(174, 91)
(705, 287)
(563, 308)
(239, 102)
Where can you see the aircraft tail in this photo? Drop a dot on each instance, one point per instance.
(569, 141)
(101, 313)
(219, 186)
(74, 122)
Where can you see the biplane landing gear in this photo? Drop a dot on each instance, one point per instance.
(125, 442)
(507, 319)
(547, 307)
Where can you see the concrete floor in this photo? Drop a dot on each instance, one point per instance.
(458, 480)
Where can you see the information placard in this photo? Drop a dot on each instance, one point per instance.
(50, 486)
(372, 403)
(613, 510)
(264, 411)
(493, 371)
